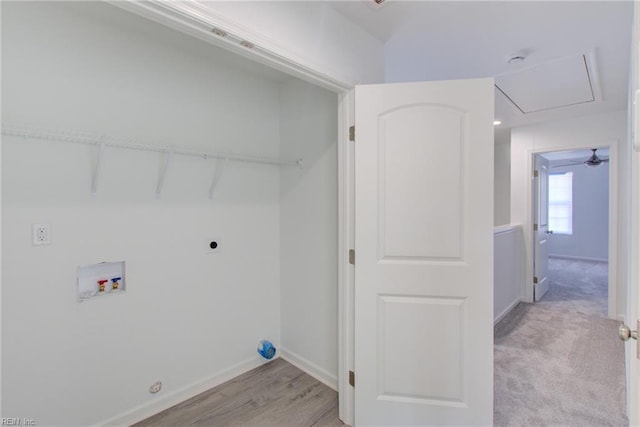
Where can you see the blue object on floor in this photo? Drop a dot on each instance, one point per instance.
(266, 349)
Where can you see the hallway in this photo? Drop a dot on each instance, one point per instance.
(560, 361)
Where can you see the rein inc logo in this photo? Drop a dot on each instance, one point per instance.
(15, 421)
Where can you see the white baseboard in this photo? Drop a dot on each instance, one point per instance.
(157, 405)
(578, 258)
(310, 368)
(506, 311)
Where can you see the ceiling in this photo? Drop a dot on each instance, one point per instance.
(438, 40)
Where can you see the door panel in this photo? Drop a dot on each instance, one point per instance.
(424, 253)
(432, 228)
(419, 319)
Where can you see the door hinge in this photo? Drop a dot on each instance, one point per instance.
(535, 227)
(352, 256)
(352, 379)
(535, 173)
(535, 279)
(352, 133)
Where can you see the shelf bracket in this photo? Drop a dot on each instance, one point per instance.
(163, 172)
(96, 171)
(221, 164)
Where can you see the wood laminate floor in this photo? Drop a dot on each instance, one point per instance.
(275, 394)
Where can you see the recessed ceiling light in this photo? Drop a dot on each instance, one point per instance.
(497, 122)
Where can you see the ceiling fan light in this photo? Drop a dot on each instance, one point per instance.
(594, 161)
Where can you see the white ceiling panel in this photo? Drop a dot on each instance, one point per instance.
(554, 84)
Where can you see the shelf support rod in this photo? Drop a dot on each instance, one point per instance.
(221, 164)
(97, 170)
(163, 172)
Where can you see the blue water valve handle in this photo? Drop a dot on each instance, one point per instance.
(266, 349)
(116, 282)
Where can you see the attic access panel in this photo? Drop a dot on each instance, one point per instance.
(555, 84)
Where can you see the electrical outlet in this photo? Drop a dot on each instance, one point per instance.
(155, 387)
(41, 234)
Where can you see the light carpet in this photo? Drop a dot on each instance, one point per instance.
(559, 362)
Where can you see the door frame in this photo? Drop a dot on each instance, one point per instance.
(196, 20)
(529, 236)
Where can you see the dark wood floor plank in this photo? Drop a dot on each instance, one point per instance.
(275, 394)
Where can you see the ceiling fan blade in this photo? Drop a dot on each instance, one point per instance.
(593, 160)
(565, 164)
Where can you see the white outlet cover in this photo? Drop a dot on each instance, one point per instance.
(40, 234)
(207, 245)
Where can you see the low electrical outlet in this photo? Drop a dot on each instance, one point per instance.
(41, 234)
(155, 387)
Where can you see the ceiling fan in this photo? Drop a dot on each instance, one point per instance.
(593, 161)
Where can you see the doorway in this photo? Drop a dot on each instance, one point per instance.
(571, 210)
(541, 349)
(523, 154)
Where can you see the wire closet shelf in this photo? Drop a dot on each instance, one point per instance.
(104, 141)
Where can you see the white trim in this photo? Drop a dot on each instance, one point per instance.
(310, 368)
(614, 167)
(509, 228)
(506, 311)
(192, 18)
(614, 229)
(161, 402)
(578, 258)
(591, 60)
(346, 397)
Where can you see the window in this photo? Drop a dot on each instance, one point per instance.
(561, 203)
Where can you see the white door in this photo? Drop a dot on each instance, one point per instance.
(424, 253)
(541, 228)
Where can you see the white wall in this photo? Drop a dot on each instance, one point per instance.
(590, 237)
(508, 269)
(609, 129)
(309, 230)
(186, 317)
(502, 177)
